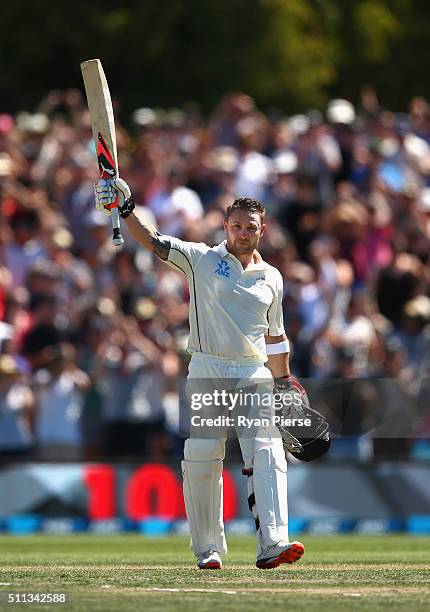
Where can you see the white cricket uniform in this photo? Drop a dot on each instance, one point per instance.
(231, 310)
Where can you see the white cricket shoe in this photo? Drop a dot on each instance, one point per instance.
(280, 553)
(209, 560)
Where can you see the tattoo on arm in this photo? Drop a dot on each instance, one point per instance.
(161, 246)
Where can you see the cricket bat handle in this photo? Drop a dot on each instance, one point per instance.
(117, 238)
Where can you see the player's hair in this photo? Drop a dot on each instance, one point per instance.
(252, 206)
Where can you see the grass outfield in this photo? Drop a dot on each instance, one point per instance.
(129, 573)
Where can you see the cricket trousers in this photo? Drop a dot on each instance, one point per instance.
(219, 389)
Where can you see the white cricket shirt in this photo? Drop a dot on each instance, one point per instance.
(231, 309)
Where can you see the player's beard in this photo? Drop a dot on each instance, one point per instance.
(246, 247)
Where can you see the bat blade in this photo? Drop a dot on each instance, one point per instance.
(107, 166)
(103, 127)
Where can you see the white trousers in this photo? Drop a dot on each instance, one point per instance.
(261, 447)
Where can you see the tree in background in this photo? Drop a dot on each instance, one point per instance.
(293, 54)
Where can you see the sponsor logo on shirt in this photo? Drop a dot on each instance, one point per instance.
(223, 269)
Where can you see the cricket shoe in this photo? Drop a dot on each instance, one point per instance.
(280, 553)
(209, 560)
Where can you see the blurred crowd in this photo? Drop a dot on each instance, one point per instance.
(93, 338)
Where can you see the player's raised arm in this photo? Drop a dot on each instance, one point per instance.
(106, 192)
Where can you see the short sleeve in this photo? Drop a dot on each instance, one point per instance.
(275, 316)
(185, 256)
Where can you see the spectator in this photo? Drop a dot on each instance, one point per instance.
(16, 411)
(59, 391)
(348, 210)
(175, 206)
(24, 247)
(130, 366)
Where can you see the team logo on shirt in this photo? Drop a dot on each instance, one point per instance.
(223, 269)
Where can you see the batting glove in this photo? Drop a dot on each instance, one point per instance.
(290, 384)
(106, 193)
(105, 196)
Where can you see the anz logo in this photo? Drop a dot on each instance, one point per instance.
(223, 269)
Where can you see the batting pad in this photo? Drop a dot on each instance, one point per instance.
(267, 487)
(203, 495)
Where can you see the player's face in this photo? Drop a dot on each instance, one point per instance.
(244, 230)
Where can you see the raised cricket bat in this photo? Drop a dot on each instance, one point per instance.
(103, 126)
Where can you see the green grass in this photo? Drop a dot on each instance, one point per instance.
(125, 573)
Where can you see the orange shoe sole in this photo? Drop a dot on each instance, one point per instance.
(291, 555)
(212, 565)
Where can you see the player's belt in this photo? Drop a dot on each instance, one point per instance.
(219, 358)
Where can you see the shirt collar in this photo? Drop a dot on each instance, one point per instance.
(222, 250)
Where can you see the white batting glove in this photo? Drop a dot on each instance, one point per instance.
(105, 195)
(106, 192)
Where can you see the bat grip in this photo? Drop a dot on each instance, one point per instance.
(117, 238)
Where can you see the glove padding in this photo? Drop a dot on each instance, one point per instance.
(309, 439)
(106, 192)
